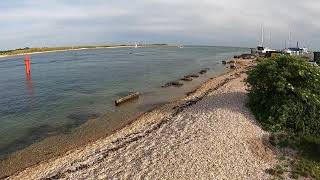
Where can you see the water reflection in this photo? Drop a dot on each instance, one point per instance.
(29, 85)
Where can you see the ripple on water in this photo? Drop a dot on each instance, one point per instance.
(41, 132)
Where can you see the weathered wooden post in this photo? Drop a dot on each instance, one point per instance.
(127, 98)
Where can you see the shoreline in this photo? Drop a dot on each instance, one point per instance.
(16, 158)
(53, 51)
(140, 127)
(79, 49)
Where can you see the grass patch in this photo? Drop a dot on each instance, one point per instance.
(306, 162)
(307, 168)
(276, 172)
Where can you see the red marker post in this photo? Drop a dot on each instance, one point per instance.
(27, 63)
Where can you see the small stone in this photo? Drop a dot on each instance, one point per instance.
(233, 66)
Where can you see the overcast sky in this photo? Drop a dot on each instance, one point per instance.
(36, 23)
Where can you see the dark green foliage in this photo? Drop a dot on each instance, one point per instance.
(285, 95)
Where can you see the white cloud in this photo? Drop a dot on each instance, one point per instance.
(227, 22)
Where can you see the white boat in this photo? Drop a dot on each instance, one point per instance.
(136, 45)
(297, 50)
(261, 49)
(264, 50)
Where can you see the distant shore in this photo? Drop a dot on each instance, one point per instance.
(21, 52)
(210, 133)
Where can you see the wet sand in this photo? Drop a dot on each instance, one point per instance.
(210, 134)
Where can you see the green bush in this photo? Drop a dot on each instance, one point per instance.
(284, 95)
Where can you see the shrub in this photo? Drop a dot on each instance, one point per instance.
(284, 95)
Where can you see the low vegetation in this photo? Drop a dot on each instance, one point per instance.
(284, 95)
(27, 50)
(43, 49)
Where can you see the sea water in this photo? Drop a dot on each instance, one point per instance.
(68, 89)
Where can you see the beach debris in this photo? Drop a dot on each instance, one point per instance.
(192, 76)
(233, 66)
(237, 75)
(127, 98)
(173, 83)
(231, 62)
(186, 79)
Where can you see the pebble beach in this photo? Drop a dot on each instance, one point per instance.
(210, 134)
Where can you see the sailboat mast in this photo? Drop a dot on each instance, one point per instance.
(270, 38)
(289, 39)
(285, 44)
(262, 36)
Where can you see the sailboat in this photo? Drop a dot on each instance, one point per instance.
(136, 45)
(261, 48)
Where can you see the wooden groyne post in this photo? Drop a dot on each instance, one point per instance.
(127, 98)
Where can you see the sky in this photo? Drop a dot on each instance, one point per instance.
(39, 23)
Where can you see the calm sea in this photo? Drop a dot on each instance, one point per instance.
(70, 95)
